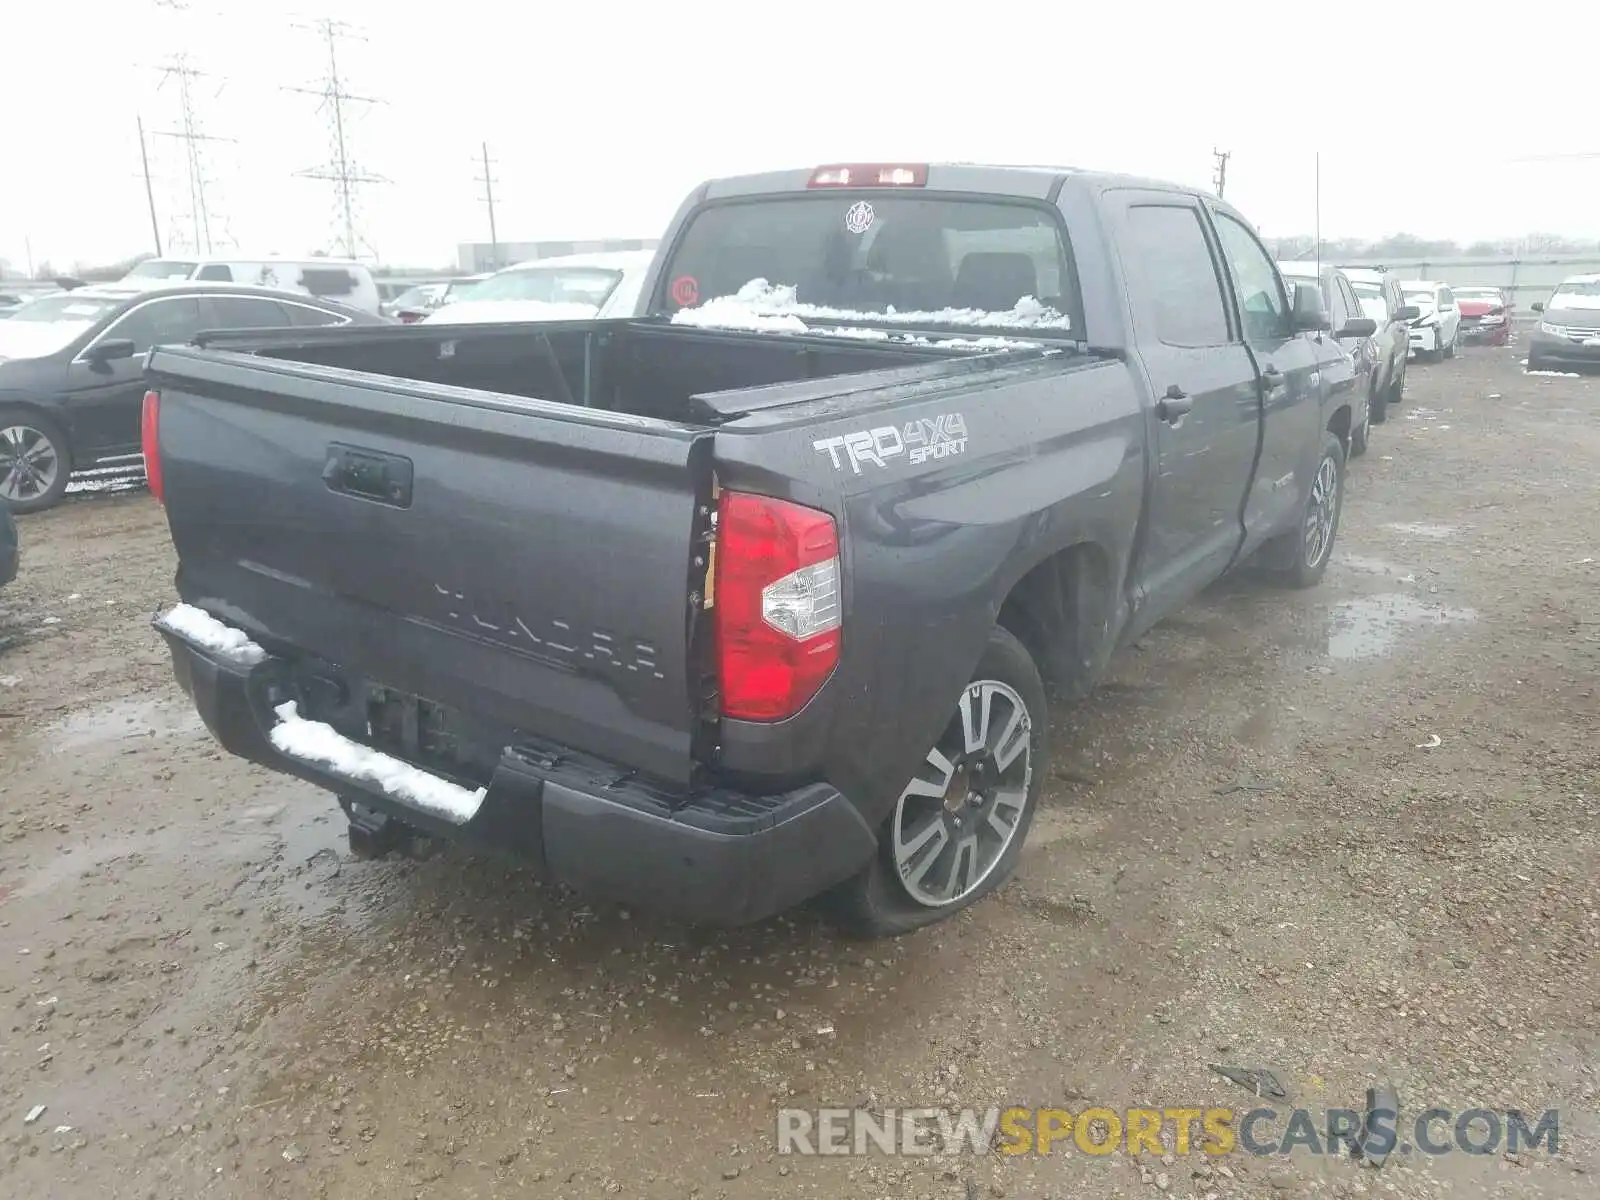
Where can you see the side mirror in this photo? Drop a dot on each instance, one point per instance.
(1408, 312)
(112, 349)
(1538, 306)
(1310, 313)
(1359, 327)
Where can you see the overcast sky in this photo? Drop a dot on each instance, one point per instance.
(601, 116)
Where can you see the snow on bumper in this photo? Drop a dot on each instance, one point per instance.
(317, 744)
(718, 857)
(324, 746)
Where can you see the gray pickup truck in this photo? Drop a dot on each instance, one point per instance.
(753, 598)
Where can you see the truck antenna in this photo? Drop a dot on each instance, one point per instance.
(1317, 231)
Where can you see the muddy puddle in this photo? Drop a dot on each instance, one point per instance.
(133, 717)
(1372, 626)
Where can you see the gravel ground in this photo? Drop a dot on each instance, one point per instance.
(1248, 855)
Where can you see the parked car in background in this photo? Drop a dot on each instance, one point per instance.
(1568, 333)
(430, 297)
(10, 550)
(1379, 295)
(1436, 326)
(71, 370)
(1354, 332)
(1485, 314)
(571, 287)
(342, 280)
(10, 302)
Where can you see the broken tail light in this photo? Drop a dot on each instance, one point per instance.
(777, 610)
(150, 444)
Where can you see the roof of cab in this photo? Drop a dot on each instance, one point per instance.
(999, 179)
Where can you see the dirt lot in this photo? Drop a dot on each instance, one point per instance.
(1247, 855)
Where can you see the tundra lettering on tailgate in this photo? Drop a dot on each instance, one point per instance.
(920, 441)
(560, 641)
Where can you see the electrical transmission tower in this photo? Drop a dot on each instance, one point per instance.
(488, 180)
(341, 170)
(177, 70)
(1219, 176)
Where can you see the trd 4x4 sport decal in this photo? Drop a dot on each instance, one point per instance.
(919, 441)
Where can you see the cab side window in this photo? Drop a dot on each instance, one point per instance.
(1351, 304)
(1257, 285)
(1173, 277)
(1338, 308)
(1447, 298)
(160, 322)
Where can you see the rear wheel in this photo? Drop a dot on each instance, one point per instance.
(956, 831)
(1450, 350)
(35, 461)
(1397, 391)
(1300, 556)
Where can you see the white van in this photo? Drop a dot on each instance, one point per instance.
(340, 279)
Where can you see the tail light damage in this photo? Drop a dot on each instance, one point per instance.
(150, 443)
(777, 606)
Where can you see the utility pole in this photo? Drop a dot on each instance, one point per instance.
(194, 141)
(1219, 177)
(487, 179)
(341, 170)
(149, 192)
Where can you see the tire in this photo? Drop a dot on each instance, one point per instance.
(886, 899)
(1450, 350)
(1302, 565)
(1358, 436)
(29, 441)
(1397, 391)
(1378, 406)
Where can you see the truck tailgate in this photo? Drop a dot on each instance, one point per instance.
(526, 562)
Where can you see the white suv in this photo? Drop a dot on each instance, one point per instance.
(1438, 320)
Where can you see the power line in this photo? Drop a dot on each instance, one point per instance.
(341, 170)
(488, 180)
(149, 192)
(1219, 177)
(194, 141)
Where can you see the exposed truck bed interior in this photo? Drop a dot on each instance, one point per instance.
(646, 369)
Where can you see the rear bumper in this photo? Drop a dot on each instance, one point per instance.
(718, 858)
(1486, 335)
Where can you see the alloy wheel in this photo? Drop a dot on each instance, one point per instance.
(960, 813)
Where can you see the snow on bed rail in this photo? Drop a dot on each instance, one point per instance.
(205, 631)
(322, 745)
(774, 308)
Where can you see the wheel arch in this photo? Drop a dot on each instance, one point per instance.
(1062, 610)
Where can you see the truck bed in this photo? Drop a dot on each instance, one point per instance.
(641, 368)
(502, 522)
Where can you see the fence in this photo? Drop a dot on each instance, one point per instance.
(1524, 280)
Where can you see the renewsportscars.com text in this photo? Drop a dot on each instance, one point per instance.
(1103, 1131)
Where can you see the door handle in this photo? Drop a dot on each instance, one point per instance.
(1175, 405)
(1271, 376)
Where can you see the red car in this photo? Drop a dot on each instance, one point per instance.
(1485, 315)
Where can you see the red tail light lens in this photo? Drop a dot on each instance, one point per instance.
(150, 443)
(870, 175)
(777, 605)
